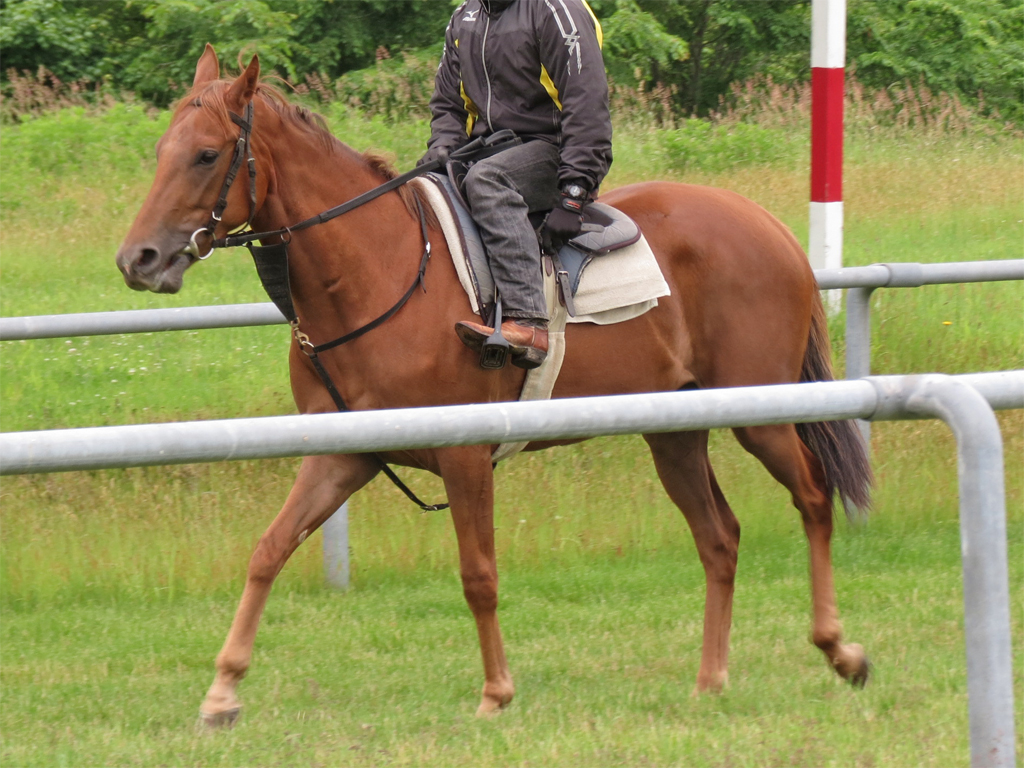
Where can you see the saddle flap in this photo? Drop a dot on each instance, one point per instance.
(605, 229)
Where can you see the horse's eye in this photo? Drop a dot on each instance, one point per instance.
(207, 157)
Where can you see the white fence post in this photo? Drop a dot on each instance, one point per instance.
(336, 553)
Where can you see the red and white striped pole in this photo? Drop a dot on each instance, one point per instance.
(828, 59)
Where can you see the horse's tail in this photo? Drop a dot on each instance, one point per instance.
(837, 444)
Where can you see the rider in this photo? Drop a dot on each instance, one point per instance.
(535, 67)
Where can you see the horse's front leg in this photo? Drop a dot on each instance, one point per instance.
(469, 482)
(323, 484)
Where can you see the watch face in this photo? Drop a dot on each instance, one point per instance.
(574, 190)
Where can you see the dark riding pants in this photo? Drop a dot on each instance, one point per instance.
(501, 191)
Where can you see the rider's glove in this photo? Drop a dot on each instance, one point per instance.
(435, 153)
(564, 222)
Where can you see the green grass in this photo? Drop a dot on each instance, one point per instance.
(604, 652)
(116, 587)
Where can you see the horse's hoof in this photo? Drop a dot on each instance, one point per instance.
(218, 720)
(853, 665)
(715, 685)
(859, 678)
(490, 706)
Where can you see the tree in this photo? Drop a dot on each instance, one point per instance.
(70, 39)
(636, 43)
(973, 48)
(341, 35)
(731, 40)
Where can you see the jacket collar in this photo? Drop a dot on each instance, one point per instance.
(494, 7)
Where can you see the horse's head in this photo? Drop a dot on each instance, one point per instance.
(193, 159)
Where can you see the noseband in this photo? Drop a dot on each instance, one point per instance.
(243, 151)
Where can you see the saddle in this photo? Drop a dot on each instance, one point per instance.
(628, 289)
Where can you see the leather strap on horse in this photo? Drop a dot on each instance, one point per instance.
(398, 305)
(388, 471)
(242, 152)
(272, 260)
(272, 268)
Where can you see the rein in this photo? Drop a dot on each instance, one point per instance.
(272, 260)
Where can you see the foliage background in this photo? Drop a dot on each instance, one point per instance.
(694, 49)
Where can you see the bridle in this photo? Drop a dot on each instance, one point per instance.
(243, 151)
(475, 150)
(272, 260)
(272, 263)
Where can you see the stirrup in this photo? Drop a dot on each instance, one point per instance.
(495, 350)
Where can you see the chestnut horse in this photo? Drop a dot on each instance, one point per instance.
(744, 310)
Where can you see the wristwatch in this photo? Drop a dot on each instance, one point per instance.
(574, 197)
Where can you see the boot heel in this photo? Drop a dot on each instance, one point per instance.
(529, 359)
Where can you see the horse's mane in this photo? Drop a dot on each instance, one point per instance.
(210, 95)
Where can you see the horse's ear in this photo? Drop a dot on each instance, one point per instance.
(207, 68)
(241, 91)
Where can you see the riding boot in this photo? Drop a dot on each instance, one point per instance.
(527, 338)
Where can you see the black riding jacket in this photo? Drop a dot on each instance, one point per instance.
(534, 66)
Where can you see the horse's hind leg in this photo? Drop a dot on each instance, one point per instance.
(323, 484)
(469, 481)
(790, 462)
(682, 462)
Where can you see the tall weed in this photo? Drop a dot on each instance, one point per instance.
(899, 110)
(26, 95)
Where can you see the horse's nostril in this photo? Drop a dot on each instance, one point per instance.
(148, 256)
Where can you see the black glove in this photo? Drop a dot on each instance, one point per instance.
(565, 221)
(435, 153)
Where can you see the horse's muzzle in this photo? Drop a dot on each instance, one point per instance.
(147, 268)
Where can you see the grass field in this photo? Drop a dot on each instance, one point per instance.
(116, 588)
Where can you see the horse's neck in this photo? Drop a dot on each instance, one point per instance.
(346, 272)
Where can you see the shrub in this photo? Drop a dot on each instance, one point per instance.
(395, 89)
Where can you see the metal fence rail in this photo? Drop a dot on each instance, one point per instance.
(138, 321)
(861, 280)
(401, 429)
(961, 402)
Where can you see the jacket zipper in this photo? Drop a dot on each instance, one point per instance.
(487, 78)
